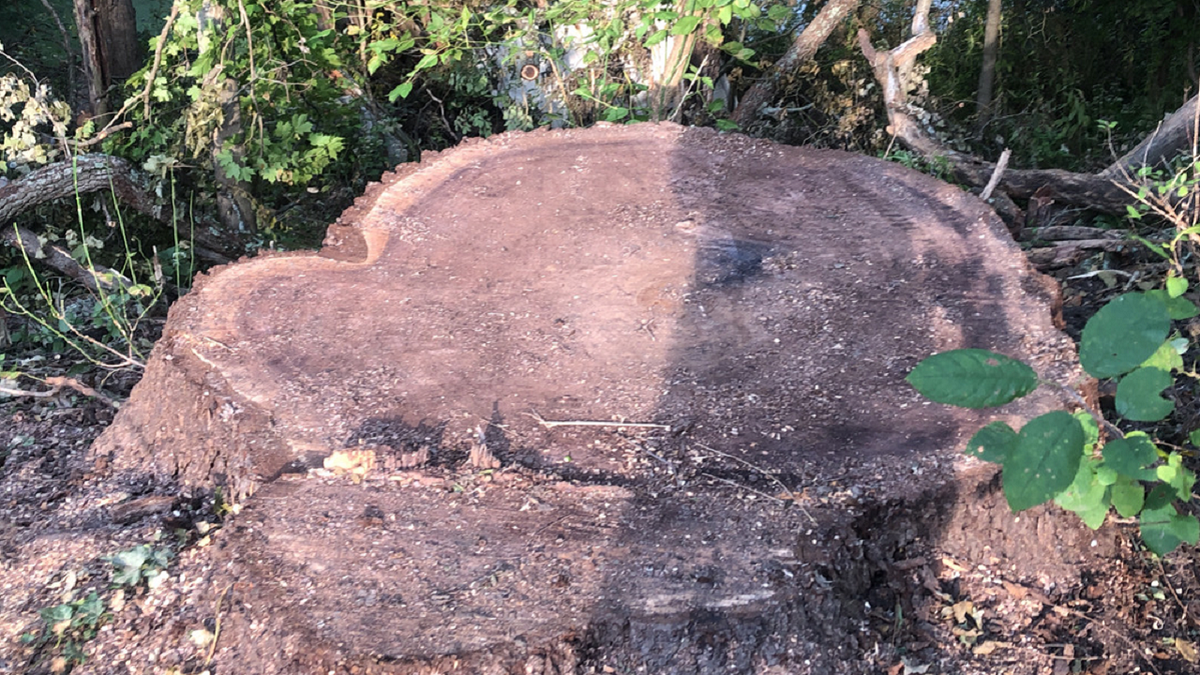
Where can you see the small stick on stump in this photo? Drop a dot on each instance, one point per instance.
(1001, 165)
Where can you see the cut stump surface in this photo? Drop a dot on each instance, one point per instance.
(606, 397)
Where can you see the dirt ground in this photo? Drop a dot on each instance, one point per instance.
(491, 542)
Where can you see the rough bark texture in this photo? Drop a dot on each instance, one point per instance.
(87, 173)
(664, 335)
(93, 61)
(91, 173)
(1176, 135)
(116, 28)
(803, 48)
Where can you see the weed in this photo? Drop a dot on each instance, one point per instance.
(66, 627)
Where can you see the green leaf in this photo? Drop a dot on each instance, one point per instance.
(1177, 308)
(1176, 286)
(57, 613)
(1091, 430)
(1138, 396)
(972, 378)
(992, 443)
(1044, 461)
(1163, 529)
(1123, 334)
(779, 13)
(427, 61)
(655, 38)
(401, 91)
(725, 15)
(1086, 495)
(1166, 358)
(1128, 455)
(1128, 498)
(686, 25)
(1177, 476)
(90, 610)
(1193, 436)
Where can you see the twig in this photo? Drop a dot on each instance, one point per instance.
(550, 424)
(791, 495)
(158, 50)
(212, 646)
(1001, 165)
(1078, 400)
(56, 385)
(742, 487)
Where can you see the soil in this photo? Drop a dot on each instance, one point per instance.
(353, 453)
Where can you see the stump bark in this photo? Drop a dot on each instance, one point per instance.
(686, 352)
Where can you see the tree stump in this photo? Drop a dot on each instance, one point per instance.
(623, 398)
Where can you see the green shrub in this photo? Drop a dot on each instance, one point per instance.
(1059, 455)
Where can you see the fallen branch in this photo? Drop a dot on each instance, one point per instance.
(99, 277)
(550, 424)
(1001, 165)
(56, 385)
(81, 175)
(1066, 253)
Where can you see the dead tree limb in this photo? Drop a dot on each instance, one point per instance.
(58, 259)
(1176, 134)
(92, 173)
(1099, 192)
(84, 174)
(803, 48)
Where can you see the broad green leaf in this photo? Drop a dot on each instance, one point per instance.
(1193, 436)
(90, 609)
(1128, 498)
(1177, 476)
(1123, 334)
(427, 61)
(1177, 308)
(1091, 430)
(1044, 461)
(686, 25)
(972, 378)
(401, 91)
(1176, 286)
(992, 443)
(1106, 475)
(1163, 529)
(779, 13)
(1139, 395)
(1094, 517)
(1166, 358)
(1086, 495)
(655, 38)
(1128, 455)
(57, 613)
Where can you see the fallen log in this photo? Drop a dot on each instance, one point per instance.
(1110, 191)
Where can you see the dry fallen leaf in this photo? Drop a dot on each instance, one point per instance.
(988, 646)
(1018, 592)
(1187, 650)
(962, 610)
(355, 462)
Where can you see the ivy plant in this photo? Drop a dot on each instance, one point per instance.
(1060, 456)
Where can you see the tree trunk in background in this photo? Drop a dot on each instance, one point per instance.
(111, 49)
(93, 63)
(116, 28)
(803, 49)
(991, 45)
